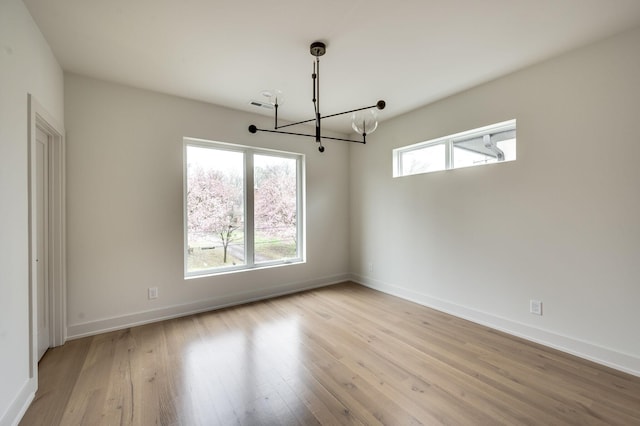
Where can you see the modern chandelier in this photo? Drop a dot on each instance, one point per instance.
(363, 120)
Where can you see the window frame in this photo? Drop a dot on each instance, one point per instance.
(248, 198)
(449, 143)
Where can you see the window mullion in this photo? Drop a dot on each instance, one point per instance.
(249, 235)
(300, 212)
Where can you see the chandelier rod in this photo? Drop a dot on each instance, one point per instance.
(327, 116)
(254, 129)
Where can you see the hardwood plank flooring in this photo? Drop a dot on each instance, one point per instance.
(341, 355)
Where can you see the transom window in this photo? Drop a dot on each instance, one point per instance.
(486, 145)
(243, 207)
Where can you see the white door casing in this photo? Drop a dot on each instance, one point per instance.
(47, 242)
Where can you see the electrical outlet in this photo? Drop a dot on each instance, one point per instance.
(370, 267)
(153, 293)
(535, 307)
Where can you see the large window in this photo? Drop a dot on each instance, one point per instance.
(486, 145)
(243, 207)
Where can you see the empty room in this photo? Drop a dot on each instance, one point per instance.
(319, 213)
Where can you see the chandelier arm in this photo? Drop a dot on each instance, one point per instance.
(254, 129)
(281, 132)
(344, 140)
(326, 116)
(350, 111)
(294, 124)
(322, 118)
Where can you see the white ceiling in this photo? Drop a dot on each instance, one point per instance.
(407, 52)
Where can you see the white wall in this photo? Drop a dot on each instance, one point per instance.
(27, 65)
(124, 207)
(560, 224)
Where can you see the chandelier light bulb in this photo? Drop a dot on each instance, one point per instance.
(364, 122)
(274, 96)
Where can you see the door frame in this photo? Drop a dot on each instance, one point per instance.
(39, 117)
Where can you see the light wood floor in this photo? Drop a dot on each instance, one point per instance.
(338, 355)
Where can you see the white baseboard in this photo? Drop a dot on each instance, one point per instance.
(20, 404)
(610, 358)
(91, 328)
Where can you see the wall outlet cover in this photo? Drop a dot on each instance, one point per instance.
(153, 293)
(535, 307)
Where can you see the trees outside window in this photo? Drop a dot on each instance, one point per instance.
(225, 228)
(214, 205)
(275, 204)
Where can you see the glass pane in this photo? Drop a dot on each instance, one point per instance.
(429, 159)
(275, 208)
(463, 157)
(215, 208)
(474, 152)
(509, 148)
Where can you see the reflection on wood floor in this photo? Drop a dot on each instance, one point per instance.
(343, 354)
